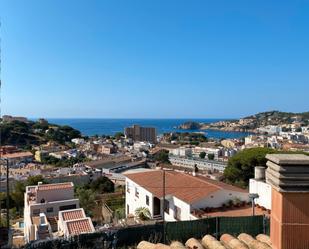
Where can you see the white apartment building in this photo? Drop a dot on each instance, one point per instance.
(184, 194)
(217, 152)
(181, 151)
(43, 203)
(270, 129)
(203, 164)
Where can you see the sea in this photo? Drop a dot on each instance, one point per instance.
(102, 126)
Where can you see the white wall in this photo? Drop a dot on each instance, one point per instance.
(263, 190)
(217, 198)
(55, 194)
(55, 205)
(185, 209)
(136, 202)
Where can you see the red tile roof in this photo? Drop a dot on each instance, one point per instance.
(183, 186)
(17, 155)
(73, 214)
(79, 226)
(55, 186)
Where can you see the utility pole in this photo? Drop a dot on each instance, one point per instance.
(163, 215)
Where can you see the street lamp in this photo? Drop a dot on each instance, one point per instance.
(252, 197)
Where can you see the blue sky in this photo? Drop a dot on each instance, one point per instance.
(154, 59)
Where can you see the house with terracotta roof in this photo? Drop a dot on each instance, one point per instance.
(45, 213)
(183, 193)
(73, 222)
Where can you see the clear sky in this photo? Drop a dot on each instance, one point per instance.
(154, 58)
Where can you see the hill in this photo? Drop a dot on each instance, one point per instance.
(251, 123)
(30, 133)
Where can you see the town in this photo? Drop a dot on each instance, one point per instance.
(57, 183)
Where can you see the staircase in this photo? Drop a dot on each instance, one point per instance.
(53, 223)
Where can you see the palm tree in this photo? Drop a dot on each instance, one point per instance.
(143, 213)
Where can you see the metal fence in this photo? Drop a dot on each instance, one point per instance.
(180, 230)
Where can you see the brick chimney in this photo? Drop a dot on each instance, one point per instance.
(288, 174)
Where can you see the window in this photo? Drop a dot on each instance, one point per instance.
(128, 209)
(50, 210)
(147, 200)
(128, 188)
(177, 213)
(136, 192)
(61, 208)
(166, 206)
(36, 212)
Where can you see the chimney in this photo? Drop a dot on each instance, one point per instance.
(288, 175)
(259, 173)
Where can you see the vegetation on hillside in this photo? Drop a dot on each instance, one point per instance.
(34, 133)
(193, 138)
(66, 162)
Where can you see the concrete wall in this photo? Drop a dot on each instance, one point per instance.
(55, 194)
(54, 205)
(217, 198)
(184, 207)
(263, 190)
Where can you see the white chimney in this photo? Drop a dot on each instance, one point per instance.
(259, 173)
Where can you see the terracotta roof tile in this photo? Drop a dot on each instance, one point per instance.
(17, 154)
(74, 214)
(55, 186)
(183, 186)
(79, 226)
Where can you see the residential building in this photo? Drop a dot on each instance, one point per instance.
(43, 202)
(138, 133)
(270, 129)
(217, 152)
(184, 194)
(18, 157)
(74, 222)
(182, 151)
(204, 164)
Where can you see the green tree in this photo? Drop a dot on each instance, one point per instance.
(102, 185)
(203, 154)
(86, 199)
(162, 156)
(211, 156)
(20, 187)
(119, 135)
(240, 167)
(18, 195)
